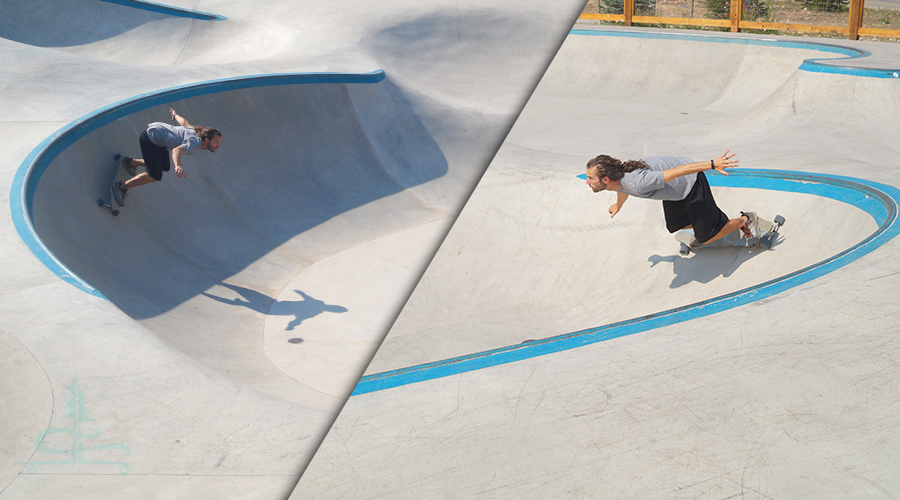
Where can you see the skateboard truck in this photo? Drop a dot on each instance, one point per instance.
(103, 203)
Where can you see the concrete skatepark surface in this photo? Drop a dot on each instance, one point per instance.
(549, 351)
(200, 344)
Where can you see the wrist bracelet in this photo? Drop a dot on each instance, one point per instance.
(712, 166)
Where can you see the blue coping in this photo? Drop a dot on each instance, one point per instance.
(812, 65)
(28, 175)
(878, 200)
(168, 9)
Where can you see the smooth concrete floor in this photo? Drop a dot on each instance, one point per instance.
(200, 344)
(737, 374)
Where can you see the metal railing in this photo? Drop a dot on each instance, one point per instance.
(737, 15)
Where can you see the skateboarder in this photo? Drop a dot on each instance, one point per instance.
(681, 185)
(158, 142)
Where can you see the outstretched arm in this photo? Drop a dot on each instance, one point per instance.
(720, 164)
(178, 118)
(176, 159)
(620, 200)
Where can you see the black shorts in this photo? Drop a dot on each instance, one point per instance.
(699, 210)
(155, 157)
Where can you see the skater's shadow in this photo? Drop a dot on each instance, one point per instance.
(301, 310)
(84, 22)
(705, 265)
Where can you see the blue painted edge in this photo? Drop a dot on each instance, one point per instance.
(168, 9)
(879, 200)
(28, 175)
(810, 65)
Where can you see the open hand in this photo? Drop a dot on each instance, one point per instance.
(173, 113)
(725, 161)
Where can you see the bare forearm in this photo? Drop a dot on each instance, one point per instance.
(686, 169)
(620, 199)
(176, 157)
(178, 118)
(719, 163)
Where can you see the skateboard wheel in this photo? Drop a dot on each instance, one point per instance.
(101, 202)
(684, 250)
(118, 157)
(115, 213)
(779, 220)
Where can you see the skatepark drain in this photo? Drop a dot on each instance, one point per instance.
(295, 340)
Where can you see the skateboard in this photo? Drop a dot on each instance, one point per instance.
(108, 204)
(767, 234)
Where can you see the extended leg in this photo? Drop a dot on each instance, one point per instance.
(730, 227)
(138, 180)
(131, 164)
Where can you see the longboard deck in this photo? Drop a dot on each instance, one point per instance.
(768, 233)
(109, 204)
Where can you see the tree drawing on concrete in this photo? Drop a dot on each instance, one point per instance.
(75, 453)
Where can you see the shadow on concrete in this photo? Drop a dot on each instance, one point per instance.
(70, 23)
(444, 40)
(301, 310)
(706, 265)
(294, 158)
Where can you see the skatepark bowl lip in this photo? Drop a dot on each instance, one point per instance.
(168, 9)
(28, 175)
(817, 65)
(880, 201)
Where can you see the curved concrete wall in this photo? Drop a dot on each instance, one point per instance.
(235, 367)
(512, 370)
(299, 178)
(726, 87)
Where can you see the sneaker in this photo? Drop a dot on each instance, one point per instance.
(119, 193)
(751, 228)
(126, 162)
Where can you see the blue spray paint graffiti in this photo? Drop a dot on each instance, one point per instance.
(75, 454)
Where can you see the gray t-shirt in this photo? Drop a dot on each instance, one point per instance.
(649, 182)
(170, 137)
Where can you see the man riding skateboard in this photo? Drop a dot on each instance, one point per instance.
(681, 185)
(158, 142)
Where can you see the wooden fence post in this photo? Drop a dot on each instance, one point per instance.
(856, 12)
(737, 8)
(629, 11)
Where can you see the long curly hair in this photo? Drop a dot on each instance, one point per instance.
(607, 166)
(207, 132)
